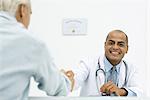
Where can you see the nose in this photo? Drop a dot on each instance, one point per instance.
(115, 46)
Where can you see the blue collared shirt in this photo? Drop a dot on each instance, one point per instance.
(108, 67)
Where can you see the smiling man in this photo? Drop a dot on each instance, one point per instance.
(116, 46)
(108, 75)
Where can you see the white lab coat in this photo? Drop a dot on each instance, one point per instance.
(85, 76)
(23, 56)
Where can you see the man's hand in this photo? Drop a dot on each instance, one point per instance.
(110, 88)
(70, 75)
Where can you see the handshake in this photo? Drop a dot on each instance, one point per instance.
(70, 75)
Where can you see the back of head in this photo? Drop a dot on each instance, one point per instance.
(10, 6)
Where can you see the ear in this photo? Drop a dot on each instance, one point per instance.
(105, 44)
(20, 12)
(127, 49)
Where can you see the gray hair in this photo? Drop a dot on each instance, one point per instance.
(11, 6)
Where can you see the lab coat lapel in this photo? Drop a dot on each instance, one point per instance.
(101, 74)
(122, 75)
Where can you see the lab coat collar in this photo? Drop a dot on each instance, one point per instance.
(101, 62)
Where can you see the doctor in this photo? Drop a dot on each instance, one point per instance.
(95, 75)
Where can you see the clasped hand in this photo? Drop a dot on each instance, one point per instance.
(110, 88)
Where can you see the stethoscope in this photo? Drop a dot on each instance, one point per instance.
(101, 71)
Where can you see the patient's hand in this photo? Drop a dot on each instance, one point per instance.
(70, 75)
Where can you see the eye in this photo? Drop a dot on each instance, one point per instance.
(110, 43)
(121, 44)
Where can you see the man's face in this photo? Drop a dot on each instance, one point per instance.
(115, 47)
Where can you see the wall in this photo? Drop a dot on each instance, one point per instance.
(103, 16)
(148, 48)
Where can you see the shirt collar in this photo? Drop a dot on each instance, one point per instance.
(108, 65)
(5, 16)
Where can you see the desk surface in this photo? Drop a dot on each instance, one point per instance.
(88, 98)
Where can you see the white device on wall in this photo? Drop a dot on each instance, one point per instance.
(74, 26)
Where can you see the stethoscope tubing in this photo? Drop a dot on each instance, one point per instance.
(99, 68)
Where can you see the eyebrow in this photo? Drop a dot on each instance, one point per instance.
(121, 42)
(111, 41)
(118, 42)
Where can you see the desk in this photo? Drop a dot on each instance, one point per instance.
(88, 98)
